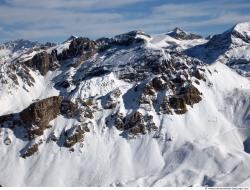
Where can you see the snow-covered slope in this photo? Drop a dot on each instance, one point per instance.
(12, 49)
(231, 47)
(133, 110)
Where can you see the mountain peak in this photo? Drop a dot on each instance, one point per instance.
(237, 35)
(132, 33)
(72, 37)
(179, 30)
(180, 34)
(242, 27)
(241, 33)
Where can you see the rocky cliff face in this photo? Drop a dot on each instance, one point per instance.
(35, 119)
(43, 62)
(79, 47)
(38, 115)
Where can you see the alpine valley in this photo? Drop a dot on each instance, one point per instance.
(133, 110)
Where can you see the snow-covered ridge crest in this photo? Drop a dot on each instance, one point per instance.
(243, 27)
(183, 35)
(230, 47)
(241, 33)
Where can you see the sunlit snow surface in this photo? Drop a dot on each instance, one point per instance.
(207, 146)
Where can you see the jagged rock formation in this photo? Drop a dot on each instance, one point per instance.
(79, 47)
(75, 135)
(38, 115)
(35, 120)
(133, 124)
(10, 73)
(43, 62)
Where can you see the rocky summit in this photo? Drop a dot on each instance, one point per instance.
(158, 110)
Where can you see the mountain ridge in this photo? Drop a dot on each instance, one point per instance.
(131, 110)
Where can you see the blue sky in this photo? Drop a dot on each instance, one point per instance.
(56, 20)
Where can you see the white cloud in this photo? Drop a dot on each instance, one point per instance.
(88, 4)
(61, 18)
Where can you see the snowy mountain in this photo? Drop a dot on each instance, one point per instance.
(134, 110)
(180, 34)
(9, 50)
(230, 47)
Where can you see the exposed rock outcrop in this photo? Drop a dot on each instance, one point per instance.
(43, 62)
(159, 83)
(5, 118)
(7, 141)
(52, 137)
(69, 109)
(83, 48)
(126, 39)
(165, 107)
(38, 115)
(75, 135)
(111, 99)
(190, 94)
(178, 104)
(134, 124)
(129, 38)
(179, 34)
(31, 149)
(119, 121)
